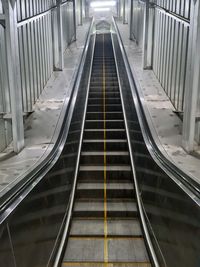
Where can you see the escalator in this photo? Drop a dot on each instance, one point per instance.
(105, 226)
(105, 196)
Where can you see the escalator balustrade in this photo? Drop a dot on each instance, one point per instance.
(105, 227)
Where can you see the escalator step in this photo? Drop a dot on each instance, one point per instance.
(95, 208)
(87, 249)
(114, 190)
(116, 227)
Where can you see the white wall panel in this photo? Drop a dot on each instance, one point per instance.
(170, 53)
(36, 58)
(37, 29)
(179, 7)
(68, 24)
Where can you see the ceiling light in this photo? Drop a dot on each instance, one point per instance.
(103, 3)
(97, 9)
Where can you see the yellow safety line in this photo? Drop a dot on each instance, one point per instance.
(105, 173)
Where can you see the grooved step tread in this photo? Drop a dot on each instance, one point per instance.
(102, 141)
(107, 153)
(104, 120)
(109, 186)
(102, 264)
(112, 205)
(105, 222)
(101, 112)
(95, 227)
(119, 250)
(102, 168)
(103, 130)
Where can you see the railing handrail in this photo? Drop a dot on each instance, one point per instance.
(10, 201)
(183, 180)
(136, 186)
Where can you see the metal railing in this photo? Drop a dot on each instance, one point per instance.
(34, 212)
(170, 198)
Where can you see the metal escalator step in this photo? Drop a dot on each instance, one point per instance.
(100, 94)
(99, 88)
(114, 189)
(100, 134)
(95, 208)
(101, 101)
(100, 124)
(109, 79)
(108, 108)
(102, 264)
(109, 115)
(120, 250)
(108, 153)
(97, 157)
(109, 186)
(98, 145)
(95, 227)
(105, 219)
(116, 168)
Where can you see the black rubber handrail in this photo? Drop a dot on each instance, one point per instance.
(10, 200)
(187, 183)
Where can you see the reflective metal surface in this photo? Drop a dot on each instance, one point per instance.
(168, 32)
(31, 234)
(173, 215)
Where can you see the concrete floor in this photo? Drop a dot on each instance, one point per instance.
(42, 127)
(165, 125)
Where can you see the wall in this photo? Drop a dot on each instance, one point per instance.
(138, 22)
(37, 31)
(169, 27)
(68, 24)
(170, 55)
(5, 124)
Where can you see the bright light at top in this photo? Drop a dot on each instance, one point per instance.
(99, 9)
(102, 3)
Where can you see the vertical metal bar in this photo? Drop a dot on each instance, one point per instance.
(81, 12)
(145, 34)
(175, 62)
(179, 59)
(26, 65)
(42, 51)
(37, 57)
(54, 36)
(124, 11)
(22, 68)
(162, 48)
(165, 51)
(160, 42)
(30, 64)
(60, 35)
(192, 79)
(40, 55)
(155, 58)
(131, 20)
(183, 68)
(74, 18)
(12, 48)
(171, 57)
(45, 48)
(33, 53)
